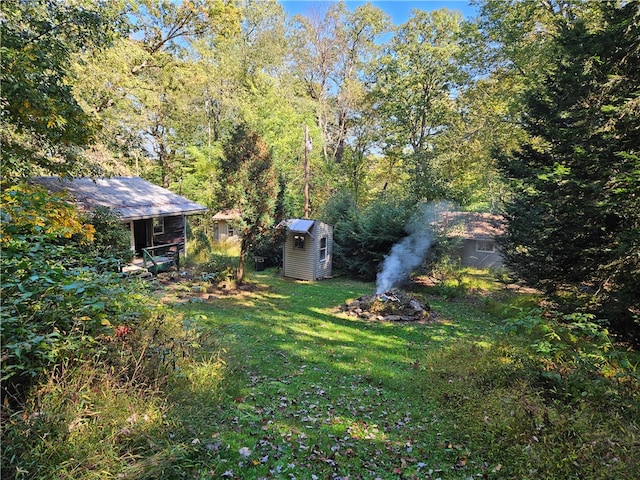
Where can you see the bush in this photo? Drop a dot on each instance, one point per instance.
(572, 350)
(112, 243)
(220, 267)
(269, 247)
(362, 238)
(58, 300)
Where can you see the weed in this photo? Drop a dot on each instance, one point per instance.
(277, 384)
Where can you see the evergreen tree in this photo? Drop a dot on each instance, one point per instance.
(574, 219)
(251, 187)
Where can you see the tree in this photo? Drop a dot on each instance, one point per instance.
(331, 54)
(415, 88)
(251, 186)
(574, 218)
(138, 88)
(43, 128)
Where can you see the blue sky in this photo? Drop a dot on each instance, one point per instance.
(399, 10)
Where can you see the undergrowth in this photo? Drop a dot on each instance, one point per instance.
(275, 383)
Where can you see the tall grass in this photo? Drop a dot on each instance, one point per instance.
(276, 383)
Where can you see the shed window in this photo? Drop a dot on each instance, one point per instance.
(230, 231)
(298, 241)
(323, 249)
(485, 246)
(158, 225)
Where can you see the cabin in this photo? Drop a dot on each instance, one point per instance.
(476, 234)
(307, 250)
(224, 225)
(154, 216)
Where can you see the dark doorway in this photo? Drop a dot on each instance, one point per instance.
(142, 234)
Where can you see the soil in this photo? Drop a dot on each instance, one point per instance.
(184, 288)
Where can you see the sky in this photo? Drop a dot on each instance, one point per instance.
(399, 10)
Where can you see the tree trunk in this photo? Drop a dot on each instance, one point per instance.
(243, 255)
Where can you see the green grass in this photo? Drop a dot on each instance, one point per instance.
(285, 386)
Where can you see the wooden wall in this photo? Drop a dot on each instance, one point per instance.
(304, 263)
(173, 231)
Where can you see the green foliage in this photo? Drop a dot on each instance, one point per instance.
(573, 219)
(449, 278)
(572, 350)
(220, 267)
(112, 243)
(43, 125)
(362, 237)
(269, 247)
(273, 382)
(103, 412)
(251, 187)
(58, 302)
(419, 69)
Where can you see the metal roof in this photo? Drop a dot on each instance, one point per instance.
(132, 198)
(297, 225)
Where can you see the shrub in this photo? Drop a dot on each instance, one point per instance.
(362, 237)
(269, 247)
(572, 350)
(58, 301)
(112, 244)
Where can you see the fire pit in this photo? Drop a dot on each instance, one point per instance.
(391, 306)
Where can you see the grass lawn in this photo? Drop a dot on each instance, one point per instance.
(277, 383)
(294, 389)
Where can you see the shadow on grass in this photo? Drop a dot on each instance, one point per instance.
(310, 392)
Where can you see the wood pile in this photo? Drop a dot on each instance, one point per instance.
(393, 306)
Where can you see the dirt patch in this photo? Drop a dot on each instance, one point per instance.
(183, 288)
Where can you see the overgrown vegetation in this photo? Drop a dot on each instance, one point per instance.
(276, 383)
(573, 223)
(363, 236)
(102, 380)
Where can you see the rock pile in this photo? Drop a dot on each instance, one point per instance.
(393, 306)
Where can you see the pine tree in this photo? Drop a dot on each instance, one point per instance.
(575, 217)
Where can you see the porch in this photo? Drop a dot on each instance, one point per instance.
(156, 259)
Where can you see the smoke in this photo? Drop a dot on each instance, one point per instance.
(409, 252)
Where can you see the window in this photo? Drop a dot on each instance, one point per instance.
(158, 226)
(323, 249)
(230, 231)
(298, 241)
(486, 246)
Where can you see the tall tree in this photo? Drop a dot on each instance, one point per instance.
(245, 78)
(43, 128)
(332, 53)
(415, 88)
(251, 187)
(138, 88)
(574, 219)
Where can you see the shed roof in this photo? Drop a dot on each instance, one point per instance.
(228, 214)
(132, 198)
(298, 225)
(471, 225)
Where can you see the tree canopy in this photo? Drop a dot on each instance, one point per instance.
(531, 108)
(42, 123)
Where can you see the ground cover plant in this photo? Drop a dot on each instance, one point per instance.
(276, 383)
